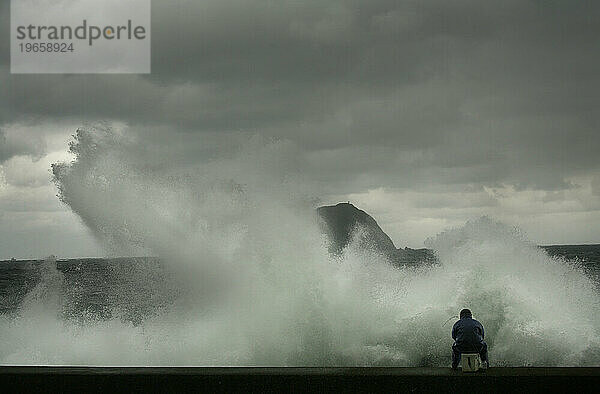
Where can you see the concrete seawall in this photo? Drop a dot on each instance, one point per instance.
(194, 379)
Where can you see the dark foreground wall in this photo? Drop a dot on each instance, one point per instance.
(151, 379)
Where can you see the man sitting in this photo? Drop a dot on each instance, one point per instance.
(468, 337)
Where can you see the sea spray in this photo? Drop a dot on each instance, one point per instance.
(537, 310)
(256, 285)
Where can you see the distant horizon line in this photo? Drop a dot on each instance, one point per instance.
(15, 259)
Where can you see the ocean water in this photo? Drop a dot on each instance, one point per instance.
(133, 289)
(538, 310)
(244, 277)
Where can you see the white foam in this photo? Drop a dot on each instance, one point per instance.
(257, 286)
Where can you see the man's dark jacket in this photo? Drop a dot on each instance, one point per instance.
(468, 334)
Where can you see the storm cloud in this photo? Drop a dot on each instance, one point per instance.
(424, 113)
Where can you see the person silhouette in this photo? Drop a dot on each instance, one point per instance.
(468, 335)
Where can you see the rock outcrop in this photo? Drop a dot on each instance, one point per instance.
(343, 221)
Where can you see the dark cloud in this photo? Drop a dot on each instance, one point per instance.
(399, 94)
(4, 33)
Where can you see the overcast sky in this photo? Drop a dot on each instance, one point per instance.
(423, 113)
